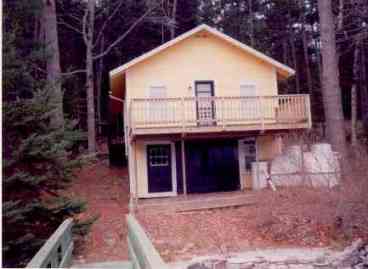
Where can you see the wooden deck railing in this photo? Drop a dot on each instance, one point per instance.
(57, 251)
(191, 114)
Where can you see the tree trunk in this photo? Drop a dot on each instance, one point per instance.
(364, 88)
(330, 79)
(91, 124)
(340, 16)
(354, 97)
(251, 23)
(99, 81)
(173, 17)
(53, 63)
(305, 49)
(285, 56)
(162, 33)
(295, 63)
(318, 59)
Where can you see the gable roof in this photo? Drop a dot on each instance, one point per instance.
(282, 69)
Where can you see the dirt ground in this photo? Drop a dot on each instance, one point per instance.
(295, 217)
(106, 190)
(298, 217)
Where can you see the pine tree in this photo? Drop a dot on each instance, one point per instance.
(37, 167)
(37, 158)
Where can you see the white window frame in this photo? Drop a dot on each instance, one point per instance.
(156, 111)
(241, 155)
(156, 86)
(248, 84)
(247, 106)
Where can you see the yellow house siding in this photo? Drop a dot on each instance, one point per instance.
(268, 147)
(141, 169)
(200, 58)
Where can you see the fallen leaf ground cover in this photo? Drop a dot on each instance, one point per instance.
(300, 217)
(106, 191)
(297, 217)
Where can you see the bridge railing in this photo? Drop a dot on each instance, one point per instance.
(142, 253)
(57, 251)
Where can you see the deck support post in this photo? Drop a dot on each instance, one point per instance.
(134, 179)
(183, 167)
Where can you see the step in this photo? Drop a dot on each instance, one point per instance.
(115, 264)
(172, 205)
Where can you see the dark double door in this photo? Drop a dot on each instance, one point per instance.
(212, 166)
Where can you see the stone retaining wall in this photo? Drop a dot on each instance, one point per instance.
(354, 256)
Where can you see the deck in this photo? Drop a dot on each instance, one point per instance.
(193, 202)
(191, 115)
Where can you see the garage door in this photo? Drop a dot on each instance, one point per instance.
(212, 166)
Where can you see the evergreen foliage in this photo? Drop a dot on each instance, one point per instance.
(38, 161)
(37, 168)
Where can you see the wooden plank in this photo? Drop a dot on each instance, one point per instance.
(141, 248)
(183, 167)
(67, 259)
(198, 202)
(219, 129)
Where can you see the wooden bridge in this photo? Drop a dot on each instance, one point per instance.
(57, 251)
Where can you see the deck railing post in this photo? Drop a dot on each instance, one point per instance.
(308, 110)
(183, 165)
(260, 109)
(223, 112)
(131, 120)
(183, 113)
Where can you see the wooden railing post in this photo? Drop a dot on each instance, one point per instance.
(57, 251)
(131, 120)
(183, 114)
(260, 107)
(223, 113)
(141, 251)
(308, 110)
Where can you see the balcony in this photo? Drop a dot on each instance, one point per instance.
(218, 114)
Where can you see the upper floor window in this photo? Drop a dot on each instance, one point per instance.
(248, 106)
(248, 89)
(157, 92)
(159, 110)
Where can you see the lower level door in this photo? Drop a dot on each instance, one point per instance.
(212, 166)
(159, 172)
(247, 155)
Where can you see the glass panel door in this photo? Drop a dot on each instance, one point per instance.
(205, 103)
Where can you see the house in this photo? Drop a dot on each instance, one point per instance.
(199, 110)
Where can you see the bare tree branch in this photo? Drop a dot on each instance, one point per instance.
(74, 72)
(84, 26)
(112, 15)
(121, 38)
(71, 73)
(69, 26)
(76, 18)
